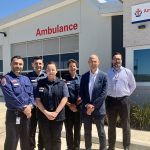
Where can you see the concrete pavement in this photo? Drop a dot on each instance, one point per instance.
(140, 140)
(2, 132)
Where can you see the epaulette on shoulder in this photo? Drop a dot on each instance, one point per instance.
(42, 81)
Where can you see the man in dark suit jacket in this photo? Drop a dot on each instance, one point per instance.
(93, 91)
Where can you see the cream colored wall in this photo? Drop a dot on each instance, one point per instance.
(26, 31)
(94, 32)
(134, 39)
(94, 37)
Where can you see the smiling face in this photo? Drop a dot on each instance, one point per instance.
(72, 68)
(51, 71)
(37, 65)
(93, 63)
(17, 66)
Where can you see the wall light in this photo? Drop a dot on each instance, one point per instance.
(142, 26)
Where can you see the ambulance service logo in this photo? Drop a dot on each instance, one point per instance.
(138, 12)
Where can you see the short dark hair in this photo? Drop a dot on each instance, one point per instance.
(37, 58)
(116, 53)
(72, 61)
(18, 57)
(51, 62)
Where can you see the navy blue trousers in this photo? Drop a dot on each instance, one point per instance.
(88, 120)
(51, 134)
(33, 126)
(73, 127)
(14, 131)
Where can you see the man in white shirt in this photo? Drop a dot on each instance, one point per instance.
(121, 84)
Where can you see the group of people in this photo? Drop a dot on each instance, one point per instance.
(44, 99)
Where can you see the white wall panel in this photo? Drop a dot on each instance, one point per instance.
(26, 31)
(18, 49)
(34, 48)
(1, 53)
(94, 37)
(51, 46)
(69, 44)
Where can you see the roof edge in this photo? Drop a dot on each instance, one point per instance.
(112, 13)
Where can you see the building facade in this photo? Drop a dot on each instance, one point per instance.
(136, 28)
(70, 29)
(64, 29)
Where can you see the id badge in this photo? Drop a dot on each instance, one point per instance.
(17, 120)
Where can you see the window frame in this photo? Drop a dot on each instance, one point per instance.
(130, 61)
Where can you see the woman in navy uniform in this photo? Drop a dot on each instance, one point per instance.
(52, 95)
(73, 119)
(18, 95)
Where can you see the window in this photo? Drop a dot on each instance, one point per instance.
(19, 49)
(1, 61)
(66, 57)
(34, 48)
(69, 44)
(1, 65)
(25, 59)
(59, 50)
(141, 65)
(54, 58)
(51, 46)
(69, 49)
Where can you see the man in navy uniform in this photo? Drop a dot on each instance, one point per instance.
(93, 91)
(18, 95)
(34, 77)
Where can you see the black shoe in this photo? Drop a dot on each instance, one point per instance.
(70, 148)
(110, 148)
(40, 148)
(127, 148)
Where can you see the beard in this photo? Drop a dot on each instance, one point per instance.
(17, 70)
(117, 65)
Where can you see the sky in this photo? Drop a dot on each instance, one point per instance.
(9, 7)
